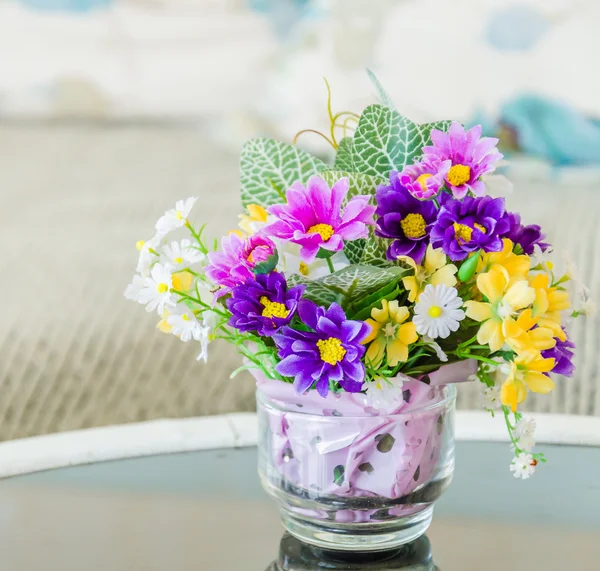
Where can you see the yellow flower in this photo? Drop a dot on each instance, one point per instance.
(522, 335)
(182, 281)
(256, 216)
(435, 270)
(526, 372)
(549, 302)
(505, 299)
(389, 334)
(516, 266)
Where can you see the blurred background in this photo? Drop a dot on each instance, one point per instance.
(110, 110)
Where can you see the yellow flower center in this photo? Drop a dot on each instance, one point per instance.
(458, 175)
(413, 225)
(178, 260)
(389, 330)
(480, 228)
(435, 311)
(462, 232)
(303, 269)
(185, 317)
(179, 215)
(422, 180)
(162, 288)
(324, 230)
(273, 308)
(331, 350)
(139, 245)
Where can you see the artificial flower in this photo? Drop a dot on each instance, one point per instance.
(526, 371)
(435, 270)
(470, 154)
(149, 254)
(504, 300)
(156, 292)
(313, 217)
(403, 219)
(465, 226)
(549, 300)
(490, 397)
(439, 352)
(527, 237)
(389, 335)
(182, 254)
(385, 393)
(175, 217)
(523, 334)
(424, 180)
(516, 266)
(263, 304)
(255, 219)
(562, 353)
(132, 291)
(438, 313)
(163, 325)
(238, 260)
(290, 262)
(523, 466)
(184, 323)
(525, 433)
(330, 353)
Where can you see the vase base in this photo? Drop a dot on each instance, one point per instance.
(359, 537)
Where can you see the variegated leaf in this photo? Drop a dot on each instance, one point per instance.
(343, 158)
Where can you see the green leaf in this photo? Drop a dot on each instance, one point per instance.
(381, 92)
(315, 291)
(343, 158)
(359, 281)
(361, 309)
(374, 252)
(269, 168)
(359, 184)
(354, 250)
(385, 140)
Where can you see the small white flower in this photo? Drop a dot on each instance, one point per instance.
(175, 217)
(437, 313)
(541, 260)
(290, 262)
(184, 324)
(182, 254)
(525, 432)
(589, 307)
(523, 466)
(383, 393)
(436, 347)
(156, 293)
(132, 291)
(149, 255)
(209, 322)
(490, 397)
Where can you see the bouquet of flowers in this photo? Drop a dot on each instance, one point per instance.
(373, 271)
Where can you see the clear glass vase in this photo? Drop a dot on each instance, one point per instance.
(348, 477)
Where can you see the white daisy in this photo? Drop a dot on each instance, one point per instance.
(523, 466)
(181, 254)
(437, 313)
(149, 254)
(156, 293)
(383, 393)
(175, 217)
(132, 291)
(525, 432)
(490, 397)
(436, 347)
(184, 324)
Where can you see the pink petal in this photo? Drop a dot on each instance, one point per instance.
(339, 191)
(357, 206)
(353, 231)
(319, 197)
(334, 243)
(478, 188)
(440, 140)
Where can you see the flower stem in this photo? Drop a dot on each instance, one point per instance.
(330, 265)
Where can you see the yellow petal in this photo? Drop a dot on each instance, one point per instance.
(375, 327)
(397, 352)
(478, 310)
(490, 333)
(553, 321)
(512, 394)
(526, 320)
(257, 212)
(444, 276)
(376, 351)
(409, 262)
(407, 333)
(540, 305)
(542, 338)
(411, 286)
(558, 300)
(382, 315)
(520, 295)
(492, 284)
(398, 314)
(539, 383)
(182, 281)
(434, 259)
(541, 365)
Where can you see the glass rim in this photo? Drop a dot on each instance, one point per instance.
(449, 398)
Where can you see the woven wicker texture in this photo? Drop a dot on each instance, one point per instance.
(74, 353)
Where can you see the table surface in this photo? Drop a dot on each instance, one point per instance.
(206, 511)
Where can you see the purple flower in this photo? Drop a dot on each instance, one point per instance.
(264, 304)
(239, 260)
(331, 352)
(562, 352)
(404, 219)
(464, 226)
(313, 217)
(424, 179)
(526, 236)
(471, 155)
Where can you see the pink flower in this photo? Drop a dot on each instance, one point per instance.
(471, 156)
(239, 260)
(424, 179)
(313, 217)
